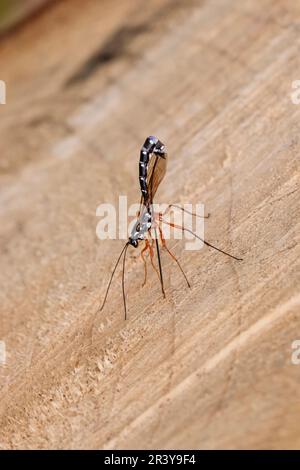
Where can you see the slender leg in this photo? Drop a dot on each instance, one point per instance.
(146, 248)
(151, 251)
(159, 264)
(164, 244)
(185, 210)
(184, 229)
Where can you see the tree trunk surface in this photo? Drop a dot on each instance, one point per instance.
(208, 367)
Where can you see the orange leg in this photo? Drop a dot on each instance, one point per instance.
(184, 229)
(164, 244)
(146, 248)
(184, 210)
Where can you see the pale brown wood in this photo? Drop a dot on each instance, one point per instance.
(208, 367)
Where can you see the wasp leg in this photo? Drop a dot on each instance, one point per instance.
(151, 250)
(184, 210)
(146, 248)
(184, 229)
(161, 279)
(164, 244)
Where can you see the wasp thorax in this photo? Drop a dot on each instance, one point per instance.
(141, 227)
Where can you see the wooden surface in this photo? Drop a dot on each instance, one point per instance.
(14, 13)
(208, 367)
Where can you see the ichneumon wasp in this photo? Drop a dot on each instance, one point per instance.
(152, 169)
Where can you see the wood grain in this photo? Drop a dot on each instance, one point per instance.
(208, 367)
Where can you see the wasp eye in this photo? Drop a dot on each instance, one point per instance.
(138, 227)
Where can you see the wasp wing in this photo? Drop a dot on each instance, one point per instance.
(156, 171)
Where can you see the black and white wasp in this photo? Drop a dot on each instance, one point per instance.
(152, 169)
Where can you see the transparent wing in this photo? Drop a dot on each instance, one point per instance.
(156, 171)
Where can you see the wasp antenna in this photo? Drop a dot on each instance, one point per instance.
(111, 277)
